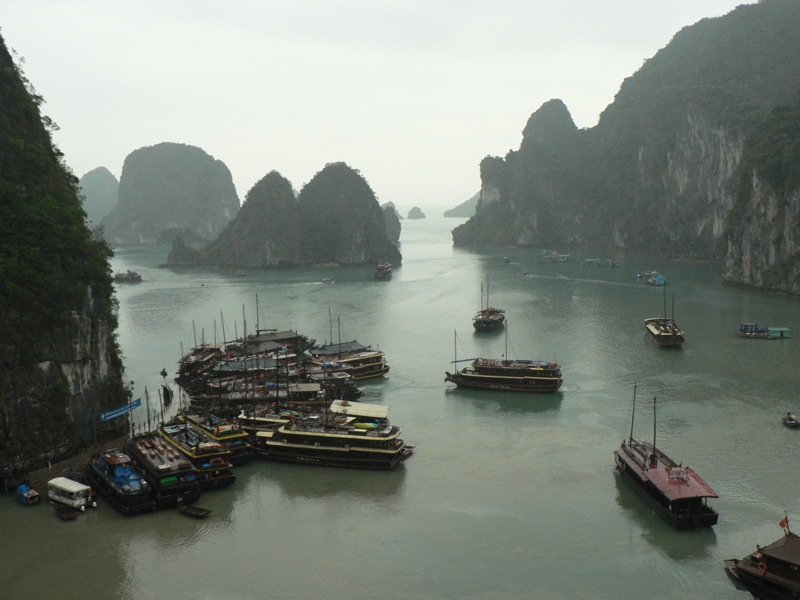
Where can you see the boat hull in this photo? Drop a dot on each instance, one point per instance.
(707, 518)
(334, 457)
(127, 504)
(506, 384)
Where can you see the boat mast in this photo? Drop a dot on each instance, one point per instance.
(665, 301)
(633, 412)
(653, 456)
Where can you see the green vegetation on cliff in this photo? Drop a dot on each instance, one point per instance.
(660, 169)
(336, 219)
(52, 272)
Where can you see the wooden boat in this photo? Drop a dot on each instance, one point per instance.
(362, 362)
(790, 420)
(673, 490)
(169, 473)
(663, 330)
(502, 374)
(488, 318)
(770, 572)
(121, 482)
(127, 277)
(228, 434)
(71, 493)
(209, 458)
(27, 495)
(754, 331)
(195, 512)
(66, 513)
(383, 271)
(347, 434)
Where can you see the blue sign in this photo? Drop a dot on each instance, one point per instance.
(113, 414)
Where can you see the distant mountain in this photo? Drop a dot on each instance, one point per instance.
(335, 220)
(171, 189)
(695, 157)
(465, 209)
(101, 192)
(394, 208)
(416, 213)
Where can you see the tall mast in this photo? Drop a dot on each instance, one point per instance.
(653, 458)
(633, 412)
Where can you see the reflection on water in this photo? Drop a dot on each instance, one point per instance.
(688, 544)
(512, 402)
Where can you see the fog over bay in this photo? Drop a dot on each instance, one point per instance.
(412, 94)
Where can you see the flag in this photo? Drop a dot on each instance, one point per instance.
(784, 522)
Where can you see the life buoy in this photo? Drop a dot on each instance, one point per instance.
(762, 565)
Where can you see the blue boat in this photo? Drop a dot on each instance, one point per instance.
(113, 474)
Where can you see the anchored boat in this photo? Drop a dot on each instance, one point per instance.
(674, 490)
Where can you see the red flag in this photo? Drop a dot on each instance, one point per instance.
(784, 522)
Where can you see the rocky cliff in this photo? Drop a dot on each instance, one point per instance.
(335, 219)
(661, 171)
(59, 361)
(171, 189)
(100, 190)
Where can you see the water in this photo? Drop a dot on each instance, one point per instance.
(507, 496)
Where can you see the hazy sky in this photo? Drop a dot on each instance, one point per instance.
(411, 93)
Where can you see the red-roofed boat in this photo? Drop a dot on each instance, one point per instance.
(674, 490)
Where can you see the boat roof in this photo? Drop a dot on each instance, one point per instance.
(674, 481)
(68, 484)
(360, 409)
(786, 549)
(340, 348)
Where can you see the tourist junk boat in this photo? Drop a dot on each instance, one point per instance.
(227, 434)
(502, 374)
(209, 458)
(362, 362)
(663, 330)
(346, 434)
(122, 483)
(675, 491)
(770, 572)
(169, 473)
(755, 331)
(488, 318)
(383, 270)
(70, 493)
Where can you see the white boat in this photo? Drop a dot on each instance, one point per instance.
(68, 492)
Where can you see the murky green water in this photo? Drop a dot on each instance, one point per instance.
(507, 496)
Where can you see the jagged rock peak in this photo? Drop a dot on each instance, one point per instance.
(551, 122)
(100, 191)
(266, 232)
(341, 209)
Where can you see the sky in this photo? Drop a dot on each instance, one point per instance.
(411, 93)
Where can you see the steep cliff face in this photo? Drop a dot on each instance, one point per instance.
(100, 190)
(764, 250)
(661, 170)
(59, 361)
(171, 187)
(335, 219)
(391, 221)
